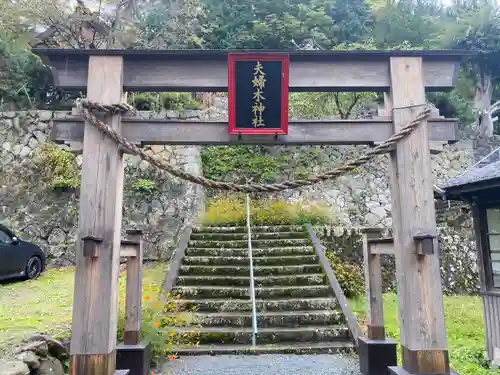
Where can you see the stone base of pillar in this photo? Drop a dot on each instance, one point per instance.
(375, 356)
(396, 370)
(136, 358)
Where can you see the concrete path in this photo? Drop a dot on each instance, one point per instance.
(273, 364)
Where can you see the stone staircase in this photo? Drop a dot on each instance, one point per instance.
(296, 309)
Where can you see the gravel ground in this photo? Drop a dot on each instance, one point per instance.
(274, 364)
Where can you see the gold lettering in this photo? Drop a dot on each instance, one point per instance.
(258, 82)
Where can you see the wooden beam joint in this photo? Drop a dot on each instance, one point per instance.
(130, 248)
(380, 246)
(132, 232)
(91, 246)
(425, 243)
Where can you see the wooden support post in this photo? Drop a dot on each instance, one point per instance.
(133, 299)
(373, 285)
(376, 353)
(95, 306)
(421, 310)
(133, 353)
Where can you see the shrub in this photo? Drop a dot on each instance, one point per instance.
(167, 100)
(230, 210)
(248, 162)
(144, 186)
(349, 275)
(58, 167)
(159, 316)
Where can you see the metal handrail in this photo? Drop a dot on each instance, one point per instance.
(252, 281)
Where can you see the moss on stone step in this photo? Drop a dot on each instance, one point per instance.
(243, 252)
(255, 243)
(269, 320)
(255, 229)
(261, 292)
(244, 236)
(330, 347)
(292, 304)
(240, 336)
(268, 260)
(245, 270)
(244, 281)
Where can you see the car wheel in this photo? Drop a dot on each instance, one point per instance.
(33, 267)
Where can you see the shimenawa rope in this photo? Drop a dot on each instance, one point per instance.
(383, 148)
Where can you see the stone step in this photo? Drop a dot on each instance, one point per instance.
(199, 270)
(243, 336)
(242, 252)
(330, 347)
(244, 236)
(255, 243)
(271, 319)
(255, 229)
(286, 304)
(257, 261)
(306, 279)
(261, 293)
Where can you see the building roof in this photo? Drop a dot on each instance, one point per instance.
(485, 179)
(476, 175)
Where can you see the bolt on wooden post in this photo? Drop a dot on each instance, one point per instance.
(421, 310)
(95, 306)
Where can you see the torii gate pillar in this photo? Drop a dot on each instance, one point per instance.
(95, 306)
(421, 310)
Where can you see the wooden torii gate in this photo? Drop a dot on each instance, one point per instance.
(403, 75)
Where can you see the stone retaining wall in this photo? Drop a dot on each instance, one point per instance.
(49, 217)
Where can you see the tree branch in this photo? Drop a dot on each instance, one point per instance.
(337, 104)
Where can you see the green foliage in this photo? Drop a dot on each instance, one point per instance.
(144, 186)
(315, 105)
(159, 317)
(247, 161)
(58, 167)
(349, 275)
(263, 24)
(453, 105)
(177, 101)
(351, 20)
(24, 81)
(230, 210)
(183, 28)
(407, 21)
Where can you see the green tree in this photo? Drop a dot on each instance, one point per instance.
(352, 20)
(266, 24)
(413, 21)
(477, 29)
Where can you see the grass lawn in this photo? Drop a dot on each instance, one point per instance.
(464, 328)
(45, 305)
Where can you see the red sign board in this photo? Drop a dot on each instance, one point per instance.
(258, 93)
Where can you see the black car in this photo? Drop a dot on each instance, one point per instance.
(19, 258)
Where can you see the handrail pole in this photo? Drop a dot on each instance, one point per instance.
(252, 281)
